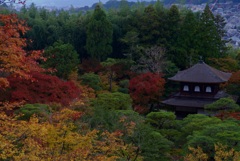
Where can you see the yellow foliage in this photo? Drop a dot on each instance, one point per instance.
(9, 106)
(107, 80)
(196, 154)
(224, 153)
(73, 76)
(59, 139)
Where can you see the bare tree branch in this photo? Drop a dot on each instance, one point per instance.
(152, 61)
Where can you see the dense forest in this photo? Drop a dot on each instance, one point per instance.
(89, 85)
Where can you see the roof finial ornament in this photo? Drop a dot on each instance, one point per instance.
(201, 59)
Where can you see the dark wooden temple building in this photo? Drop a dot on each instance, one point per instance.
(199, 85)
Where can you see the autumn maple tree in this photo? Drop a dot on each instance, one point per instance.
(90, 65)
(20, 70)
(14, 59)
(146, 89)
(45, 89)
(233, 86)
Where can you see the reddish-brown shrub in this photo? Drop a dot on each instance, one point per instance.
(146, 89)
(90, 65)
(45, 89)
(121, 70)
(141, 109)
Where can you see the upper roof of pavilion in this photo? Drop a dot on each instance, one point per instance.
(201, 73)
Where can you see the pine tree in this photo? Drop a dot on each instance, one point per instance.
(187, 42)
(220, 24)
(149, 27)
(172, 32)
(162, 21)
(99, 35)
(173, 23)
(210, 32)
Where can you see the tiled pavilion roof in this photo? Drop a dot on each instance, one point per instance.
(201, 73)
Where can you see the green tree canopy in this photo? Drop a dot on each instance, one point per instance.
(61, 57)
(196, 122)
(173, 31)
(29, 109)
(210, 43)
(92, 80)
(161, 119)
(149, 26)
(115, 101)
(99, 34)
(226, 133)
(187, 42)
(223, 104)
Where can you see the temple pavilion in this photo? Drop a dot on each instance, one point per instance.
(199, 85)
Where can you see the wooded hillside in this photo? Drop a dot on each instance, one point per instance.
(89, 85)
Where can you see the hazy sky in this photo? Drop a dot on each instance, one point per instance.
(59, 3)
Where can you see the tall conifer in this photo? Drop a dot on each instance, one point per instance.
(210, 40)
(99, 35)
(187, 42)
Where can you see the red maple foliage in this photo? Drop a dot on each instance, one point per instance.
(90, 65)
(235, 115)
(45, 89)
(233, 85)
(141, 109)
(146, 89)
(235, 78)
(14, 59)
(223, 115)
(122, 71)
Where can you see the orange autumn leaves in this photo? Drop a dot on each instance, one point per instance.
(14, 60)
(20, 70)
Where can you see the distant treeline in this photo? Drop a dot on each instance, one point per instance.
(199, 1)
(117, 3)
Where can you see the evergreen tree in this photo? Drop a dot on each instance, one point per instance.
(149, 27)
(158, 6)
(119, 18)
(99, 35)
(172, 32)
(61, 57)
(220, 24)
(124, 8)
(210, 44)
(33, 12)
(162, 21)
(38, 34)
(187, 55)
(131, 40)
(173, 23)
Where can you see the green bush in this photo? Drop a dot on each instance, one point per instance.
(123, 86)
(92, 80)
(115, 101)
(29, 109)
